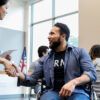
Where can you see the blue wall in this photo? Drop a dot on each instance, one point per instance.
(12, 39)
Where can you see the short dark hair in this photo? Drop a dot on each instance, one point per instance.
(41, 50)
(3, 2)
(95, 51)
(64, 29)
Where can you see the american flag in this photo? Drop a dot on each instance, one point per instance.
(23, 60)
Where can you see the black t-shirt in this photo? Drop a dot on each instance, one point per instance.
(59, 70)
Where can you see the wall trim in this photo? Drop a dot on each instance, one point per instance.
(12, 96)
(16, 96)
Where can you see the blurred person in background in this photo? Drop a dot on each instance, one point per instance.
(42, 51)
(95, 56)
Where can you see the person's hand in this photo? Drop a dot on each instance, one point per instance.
(13, 71)
(67, 89)
(10, 69)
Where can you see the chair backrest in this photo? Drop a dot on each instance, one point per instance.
(39, 88)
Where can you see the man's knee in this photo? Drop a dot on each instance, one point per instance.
(50, 95)
(78, 96)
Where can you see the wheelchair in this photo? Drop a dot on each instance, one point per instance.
(40, 87)
(91, 92)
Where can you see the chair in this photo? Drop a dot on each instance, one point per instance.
(38, 89)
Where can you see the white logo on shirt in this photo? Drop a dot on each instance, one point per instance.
(58, 63)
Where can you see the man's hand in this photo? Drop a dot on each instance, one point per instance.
(67, 89)
(12, 71)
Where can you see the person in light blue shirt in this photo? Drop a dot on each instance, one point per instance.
(95, 56)
(66, 69)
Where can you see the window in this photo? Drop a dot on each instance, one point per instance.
(65, 6)
(47, 12)
(42, 10)
(72, 22)
(40, 36)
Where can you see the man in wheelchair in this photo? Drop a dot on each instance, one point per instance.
(66, 69)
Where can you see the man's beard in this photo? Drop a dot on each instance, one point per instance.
(55, 44)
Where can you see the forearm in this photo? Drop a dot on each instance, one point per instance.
(81, 80)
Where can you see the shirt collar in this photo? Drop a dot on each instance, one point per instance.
(69, 47)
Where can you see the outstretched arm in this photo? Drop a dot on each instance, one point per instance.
(23, 79)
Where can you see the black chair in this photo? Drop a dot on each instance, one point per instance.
(93, 94)
(39, 88)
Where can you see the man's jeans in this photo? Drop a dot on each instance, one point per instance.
(51, 95)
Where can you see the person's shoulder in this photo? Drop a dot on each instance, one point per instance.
(44, 58)
(76, 49)
(79, 48)
(79, 51)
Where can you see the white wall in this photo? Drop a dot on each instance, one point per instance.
(89, 23)
(8, 85)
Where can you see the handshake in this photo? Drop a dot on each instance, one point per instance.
(11, 69)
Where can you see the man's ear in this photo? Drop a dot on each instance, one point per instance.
(64, 36)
